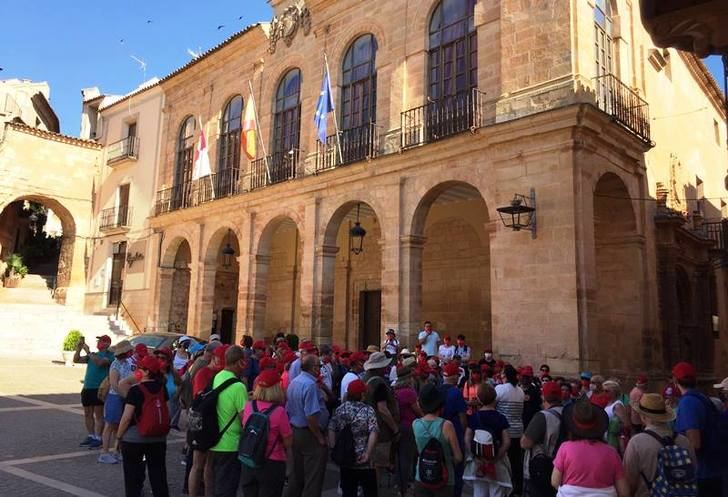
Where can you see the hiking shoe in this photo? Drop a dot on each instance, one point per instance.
(87, 441)
(107, 459)
(95, 444)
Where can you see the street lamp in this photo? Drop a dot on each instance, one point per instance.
(357, 234)
(520, 214)
(228, 252)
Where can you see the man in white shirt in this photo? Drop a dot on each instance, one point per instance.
(356, 367)
(447, 350)
(429, 339)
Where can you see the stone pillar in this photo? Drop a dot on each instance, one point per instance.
(308, 270)
(75, 291)
(410, 288)
(163, 298)
(323, 299)
(205, 300)
(257, 299)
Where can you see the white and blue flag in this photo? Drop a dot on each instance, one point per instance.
(324, 105)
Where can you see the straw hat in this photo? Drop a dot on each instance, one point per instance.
(122, 347)
(653, 406)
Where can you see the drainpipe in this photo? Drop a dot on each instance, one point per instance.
(293, 290)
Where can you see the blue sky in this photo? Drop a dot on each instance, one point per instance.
(73, 44)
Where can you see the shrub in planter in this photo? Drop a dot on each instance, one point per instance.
(14, 270)
(72, 340)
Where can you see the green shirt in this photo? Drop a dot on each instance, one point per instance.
(95, 374)
(230, 404)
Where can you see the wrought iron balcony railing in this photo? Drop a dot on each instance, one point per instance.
(115, 218)
(221, 184)
(442, 118)
(279, 167)
(624, 105)
(718, 232)
(128, 148)
(356, 144)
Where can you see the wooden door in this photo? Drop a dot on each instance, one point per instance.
(370, 318)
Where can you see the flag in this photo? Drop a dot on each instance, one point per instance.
(248, 141)
(202, 158)
(323, 107)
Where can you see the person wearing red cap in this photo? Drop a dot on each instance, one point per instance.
(356, 368)
(305, 348)
(362, 420)
(97, 369)
(540, 442)
(143, 452)
(532, 391)
(639, 389)
(268, 397)
(697, 418)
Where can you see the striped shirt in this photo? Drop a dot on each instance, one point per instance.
(509, 400)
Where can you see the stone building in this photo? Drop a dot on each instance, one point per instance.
(446, 110)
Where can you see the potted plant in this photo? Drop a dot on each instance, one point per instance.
(69, 345)
(14, 271)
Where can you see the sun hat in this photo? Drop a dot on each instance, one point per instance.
(377, 360)
(683, 370)
(122, 347)
(587, 420)
(653, 406)
(267, 378)
(409, 361)
(356, 387)
(372, 348)
(405, 352)
(723, 385)
(430, 398)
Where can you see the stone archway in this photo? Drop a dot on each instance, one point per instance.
(67, 278)
(174, 287)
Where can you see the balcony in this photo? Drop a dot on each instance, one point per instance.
(357, 144)
(624, 105)
(221, 184)
(126, 149)
(116, 219)
(442, 118)
(717, 231)
(276, 168)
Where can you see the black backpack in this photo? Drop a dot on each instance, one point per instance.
(254, 439)
(541, 466)
(204, 429)
(431, 465)
(344, 452)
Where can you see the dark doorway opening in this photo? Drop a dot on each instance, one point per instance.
(117, 267)
(227, 318)
(370, 318)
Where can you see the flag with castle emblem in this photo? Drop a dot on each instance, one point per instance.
(323, 107)
(201, 166)
(248, 138)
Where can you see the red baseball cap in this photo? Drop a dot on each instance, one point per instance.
(357, 357)
(267, 362)
(259, 344)
(683, 370)
(307, 346)
(104, 338)
(150, 363)
(356, 387)
(526, 371)
(451, 369)
(141, 350)
(289, 357)
(219, 352)
(267, 378)
(641, 379)
(551, 391)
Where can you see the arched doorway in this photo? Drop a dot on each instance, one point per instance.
(351, 295)
(219, 300)
(617, 301)
(43, 232)
(452, 277)
(175, 288)
(276, 300)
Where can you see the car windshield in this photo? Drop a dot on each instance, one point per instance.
(151, 341)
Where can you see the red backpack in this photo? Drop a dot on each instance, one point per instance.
(154, 420)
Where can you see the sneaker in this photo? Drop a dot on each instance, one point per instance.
(87, 441)
(95, 444)
(107, 459)
(117, 456)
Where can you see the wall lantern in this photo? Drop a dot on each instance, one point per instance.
(521, 213)
(228, 252)
(357, 234)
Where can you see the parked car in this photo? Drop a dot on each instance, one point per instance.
(159, 340)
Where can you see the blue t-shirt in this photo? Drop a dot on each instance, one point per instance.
(454, 406)
(95, 374)
(305, 399)
(430, 343)
(491, 421)
(692, 414)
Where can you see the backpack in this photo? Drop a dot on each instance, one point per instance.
(254, 439)
(541, 465)
(675, 475)
(431, 465)
(715, 434)
(154, 419)
(204, 430)
(344, 452)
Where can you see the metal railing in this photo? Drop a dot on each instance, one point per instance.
(221, 184)
(115, 217)
(357, 144)
(624, 105)
(442, 118)
(280, 167)
(128, 148)
(718, 232)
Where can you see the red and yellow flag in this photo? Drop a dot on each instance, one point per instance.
(248, 139)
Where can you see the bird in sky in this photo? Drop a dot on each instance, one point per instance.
(149, 21)
(220, 27)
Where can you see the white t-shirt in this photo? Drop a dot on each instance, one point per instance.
(510, 400)
(447, 352)
(391, 346)
(430, 343)
(348, 378)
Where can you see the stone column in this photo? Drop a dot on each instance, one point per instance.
(308, 270)
(323, 298)
(75, 291)
(410, 288)
(163, 298)
(256, 300)
(205, 299)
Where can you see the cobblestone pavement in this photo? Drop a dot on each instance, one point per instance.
(41, 422)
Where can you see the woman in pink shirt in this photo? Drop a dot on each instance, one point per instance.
(268, 480)
(586, 466)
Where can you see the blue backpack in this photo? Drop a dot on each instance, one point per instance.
(675, 475)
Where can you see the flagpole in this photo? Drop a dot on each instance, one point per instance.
(336, 123)
(259, 136)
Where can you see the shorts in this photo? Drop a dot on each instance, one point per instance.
(113, 408)
(90, 397)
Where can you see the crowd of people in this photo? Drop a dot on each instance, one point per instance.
(266, 417)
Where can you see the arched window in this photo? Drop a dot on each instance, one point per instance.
(603, 37)
(453, 49)
(230, 134)
(185, 150)
(287, 113)
(359, 84)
